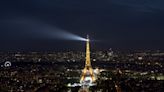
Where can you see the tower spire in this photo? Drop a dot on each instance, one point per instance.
(88, 61)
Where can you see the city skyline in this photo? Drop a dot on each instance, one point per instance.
(81, 46)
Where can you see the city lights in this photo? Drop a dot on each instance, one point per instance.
(45, 46)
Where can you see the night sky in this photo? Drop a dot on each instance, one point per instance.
(119, 24)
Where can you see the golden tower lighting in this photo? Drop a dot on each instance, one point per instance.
(87, 73)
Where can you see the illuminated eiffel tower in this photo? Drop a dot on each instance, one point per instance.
(87, 74)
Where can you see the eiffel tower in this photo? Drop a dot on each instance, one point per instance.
(87, 73)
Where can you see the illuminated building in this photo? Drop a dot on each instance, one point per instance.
(88, 76)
